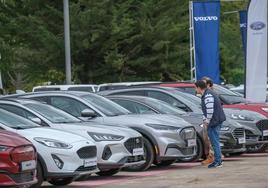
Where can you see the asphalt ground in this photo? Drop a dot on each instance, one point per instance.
(245, 171)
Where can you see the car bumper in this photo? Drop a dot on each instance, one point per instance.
(118, 155)
(17, 180)
(74, 161)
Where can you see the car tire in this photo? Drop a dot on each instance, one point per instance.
(61, 181)
(165, 163)
(108, 172)
(149, 158)
(39, 176)
(199, 152)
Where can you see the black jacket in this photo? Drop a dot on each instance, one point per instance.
(212, 108)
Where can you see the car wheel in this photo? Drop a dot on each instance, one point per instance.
(165, 163)
(61, 181)
(199, 152)
(108, 172)
(148, 155)
(39, 176)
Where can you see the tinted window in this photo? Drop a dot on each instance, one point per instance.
(69, 105)
(104, 105)
(47, 89)
(134, 107)
(168, 99)
(52, 114)
(17, 110)
(14, 121)
(87, 89)
(140, 93)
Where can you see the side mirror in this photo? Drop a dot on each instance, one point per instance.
(36, 120)
(88, 113)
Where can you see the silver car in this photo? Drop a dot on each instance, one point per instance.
(166, 137)
(117, 147)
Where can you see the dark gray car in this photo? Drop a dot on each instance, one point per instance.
(232, 134)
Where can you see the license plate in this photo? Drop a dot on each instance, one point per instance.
(28, 165)
(221, 144)
(90, 162)
(241, 140)
(138, 151)
(191, 142)
(265, 133)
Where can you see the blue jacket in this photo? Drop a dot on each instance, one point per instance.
(212, 108)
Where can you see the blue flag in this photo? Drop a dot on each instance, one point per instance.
(206, 18)
(243, 14)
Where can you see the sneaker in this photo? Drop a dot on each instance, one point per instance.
(209, 160)
(215, 165)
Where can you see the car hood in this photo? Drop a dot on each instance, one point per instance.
(141, 119)
(51, 133)
(11, 139)
(101, 128)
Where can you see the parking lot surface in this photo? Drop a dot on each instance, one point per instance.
(246, 171)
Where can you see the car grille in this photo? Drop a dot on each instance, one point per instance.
(187, 151)
(239, 133)
(133, 143)
(251, 135)
(83, 169)
(263, 125)
(23, 177)
(133, 159)
(87, 152)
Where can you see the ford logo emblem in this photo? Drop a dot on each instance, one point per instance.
(257, 25)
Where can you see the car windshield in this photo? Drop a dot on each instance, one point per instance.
(15, 122)
(52, 114)
(164, 107)
(106, 106)
(229, 96)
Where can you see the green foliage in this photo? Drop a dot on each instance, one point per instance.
(111, 40)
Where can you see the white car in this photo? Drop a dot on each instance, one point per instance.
(117, 147)
(62, 156)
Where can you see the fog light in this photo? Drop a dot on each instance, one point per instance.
(57, 161)
(107, 153)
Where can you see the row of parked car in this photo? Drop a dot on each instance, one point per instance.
(75, 132)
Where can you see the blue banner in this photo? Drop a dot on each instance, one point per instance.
(206, 18)
(243, 14)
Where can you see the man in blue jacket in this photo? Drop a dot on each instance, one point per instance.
(213, 117)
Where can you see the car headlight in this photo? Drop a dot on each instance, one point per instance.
(98, 137)
(53, 143)
(241, 117)
(265, 109)
(163, 127)
(225, 128)
(188, 133)
(3, 148)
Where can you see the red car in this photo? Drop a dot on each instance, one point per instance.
(229, 98)
(17, 161)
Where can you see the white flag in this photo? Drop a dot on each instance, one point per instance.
(256, 61)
